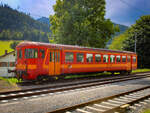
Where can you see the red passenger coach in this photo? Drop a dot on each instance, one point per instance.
(37, 60)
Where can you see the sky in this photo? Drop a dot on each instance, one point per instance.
(124, 12)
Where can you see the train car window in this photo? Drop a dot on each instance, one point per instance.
(118, 58)
(35, 53)
(20, 53)
(50, 56)
(26, 53)
(123, 58)
(80, 57)
(3, 64)
(58, 57)
(134, 59)
(31, 53)
(112, 58)
(97, 58)
(42, 51)
(89, 58)
(69, 57)
(105, 58)
(129, 58)
(53, 56)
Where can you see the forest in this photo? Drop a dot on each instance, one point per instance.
(15, 25)
(136, 39)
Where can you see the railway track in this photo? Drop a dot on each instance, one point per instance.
(111, 104)
(24, 94)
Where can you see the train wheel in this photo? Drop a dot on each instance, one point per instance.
(18, 75)
(39, 78)
(129, 72)
(57, 78)
(112, 73)
(42, 79)
(123, 72)
(61, 77)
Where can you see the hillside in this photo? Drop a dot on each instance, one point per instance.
(122, 28)
(44, 20)
(15, 25)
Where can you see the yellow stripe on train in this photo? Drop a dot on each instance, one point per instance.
(91, 65)
(22, 66)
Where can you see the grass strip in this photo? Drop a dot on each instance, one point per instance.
(11, 80)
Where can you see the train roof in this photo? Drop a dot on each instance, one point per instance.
(72, 47)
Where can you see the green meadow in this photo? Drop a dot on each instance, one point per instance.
(5, 45)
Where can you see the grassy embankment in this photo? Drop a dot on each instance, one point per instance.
(10, 80)
(140, 70)
(5, 45)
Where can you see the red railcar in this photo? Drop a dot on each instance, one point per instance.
(39, 60)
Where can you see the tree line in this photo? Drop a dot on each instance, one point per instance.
(16, 25)
(138, 33)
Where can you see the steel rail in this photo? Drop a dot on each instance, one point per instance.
(59, 88)
(74, 83)
(113, 104)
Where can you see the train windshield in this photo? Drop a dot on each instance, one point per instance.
(31, 53)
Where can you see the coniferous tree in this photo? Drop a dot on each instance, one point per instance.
(16, 25)
(141, 33)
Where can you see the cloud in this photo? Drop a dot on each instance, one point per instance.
(115, 8)
(37, 8)
(122, 11)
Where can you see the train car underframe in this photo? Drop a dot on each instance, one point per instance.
(62, 76)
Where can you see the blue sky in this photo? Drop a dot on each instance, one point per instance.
(124, 12)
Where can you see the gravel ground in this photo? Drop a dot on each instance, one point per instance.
(6, 86)
(139, 109)
(54, 101)
(60, 82)
(67, 81)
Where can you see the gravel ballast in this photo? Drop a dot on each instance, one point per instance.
(54, 101)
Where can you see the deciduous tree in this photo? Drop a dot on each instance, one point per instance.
(81, 22)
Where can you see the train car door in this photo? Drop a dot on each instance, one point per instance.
(129, 62)
(54, 62)
(134, 63)
(57, 62)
